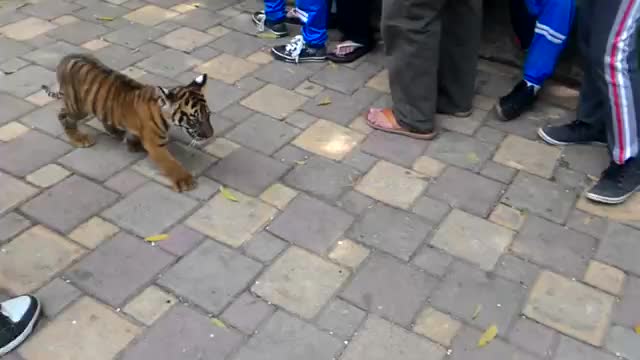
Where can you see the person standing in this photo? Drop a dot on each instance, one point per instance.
(432, 55)
(354, 22)
(609, 97)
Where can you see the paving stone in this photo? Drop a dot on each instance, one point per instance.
(380, 82)
(93, 232)
(292, 155)
(218, 31)
(119, 57)
(169, 63)
(181, 240)
(460, 150)
(237, 44)
(626, 213)
(359, 160)
(205, 53)
(205, 190)
(114, 272)
(588, 224)
(490, 135)
(200, 19)
(389, 288)
(194, 161)
(249, 84)
(349, 253)
(126, 181)
(473, 239)
(278, 195)
(12, 224)
(284, 75)
(507, 217)
(263, 134)
(360, 125)
(12, 48)
(428, 166)
(540, 197)
(467, 125)
(264, 246)
(300, 120)
(39, 98)
(211, 276)
(227, 68)
(498, 172)
(184, 334)
(465, 346)
(287, 338)
(27, 29)
(518, 270)
(380, 340)
(570, 307)
(49, 56)
(533, 337)
(248, 171)
(528, 124)
(44, 119)
(394, 231)
(150, 305)
(310, 223)
(465, 288)
(55, 296)
(570, 349)
(340, 78)
(394, 148)
(274, 101)
(12, 108)
(437, 326)
(27, 81)
(15, 192)
(590, 160)
(626, 311)
(354, 202)
(323, 178)
(605, 277)
(150, 15)
(48, 175)
(85, 322)
(618, 247)
(221, 147)
(430, 209)
(538, 242)
(78, 32)
(101, 9)
(69, 203)
(224, 94)
(149, 210)
(31, 259)
(309, 89)
(328, 139)
(343, 109)
(432, 260)
(572, 179)
(527, 155)
(392, 184)
(466, 191)
(247, 312)
(341, 319)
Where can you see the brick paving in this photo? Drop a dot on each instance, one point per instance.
(345, 243)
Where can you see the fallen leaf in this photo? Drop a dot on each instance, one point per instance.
(104, 18)
(488, 336)
(637, 329)
(227, 194)
(196, 5)
(300, 162)
(325, 101)
(155, 238)
(217, 322)
(473, 157)
(265, 35)
(476, 312)
(333, 65)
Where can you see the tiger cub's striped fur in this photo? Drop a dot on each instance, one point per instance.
(139, 113)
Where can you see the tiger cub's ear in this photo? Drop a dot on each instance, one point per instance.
(200, 82)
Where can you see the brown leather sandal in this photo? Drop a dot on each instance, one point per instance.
(395, 127)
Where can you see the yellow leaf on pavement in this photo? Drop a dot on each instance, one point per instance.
(637, 328)
(217, 322)
(476, 312)
(227, 194)
(155, 238)
(488, 336)
(104, 18)
(325, 101)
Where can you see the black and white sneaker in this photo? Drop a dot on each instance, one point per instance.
(18, 317)
(617, 183)
(519, 100)
(576, 132)
(297, 51)
(267, 29)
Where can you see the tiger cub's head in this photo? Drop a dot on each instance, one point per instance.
(186, 107)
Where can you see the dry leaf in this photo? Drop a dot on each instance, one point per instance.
(104, 18)
(637, 329)
(227, 194)
(196, 5)
(476, 312)
(300, 162)
(325, 101)
(155, 238)
(217, 322)
(488, 336)
(473, 157)
(265, 35)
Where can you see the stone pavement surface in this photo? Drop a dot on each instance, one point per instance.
(345, 243)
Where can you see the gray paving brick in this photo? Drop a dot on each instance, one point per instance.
(517, 270)
(237, 44)
(247, 171)
(224, 94)
(570, 349)
(395, 148)
(390, 288)
(465, 347)
(360, 160)
(392, 230)
(49, 10)
(262, 133)
(341, 319)
(343, 109)
(149, 210)
(465, 190)
(623, 342)
(619, 246)
(30, 152)
(533, 337)
(69, 203)
(590, 160)
(118, 57)
(588, 224)
(283, 74)
(114, 272)
(78, 32)
(341, 78)
(355, 202)
(460, 150)
(101, 9)
(528, 124)
(264, 246)
(169, 63)
(26, 81)
(11, 48)
(11, 224)
(310, 223)
(300, 120)
(49, 56)
(181, 240)
(56, 295)
(323, 178)
(432, 260)
(626, 311)
(572, 179)
(247, 312)
(431, 209)
(498, 172)
(292, 155)
(12, 108)
(199, 19)
(490, 135)
(211, 276)
(126, 181)
(17, 193)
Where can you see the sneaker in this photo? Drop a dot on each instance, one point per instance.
(274, 30)
(293, 19)
(18, 317)
(297, 51)
(617, 183)
(576, 132)
(519, 100)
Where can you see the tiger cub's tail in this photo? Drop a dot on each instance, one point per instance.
(53, 94)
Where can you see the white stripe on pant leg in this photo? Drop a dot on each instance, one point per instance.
(629, 37)
(548, 36)
(551, 31)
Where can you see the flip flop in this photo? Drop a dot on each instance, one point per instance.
(390, 118)
(358, 51)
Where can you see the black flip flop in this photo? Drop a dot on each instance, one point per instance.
(358, 52)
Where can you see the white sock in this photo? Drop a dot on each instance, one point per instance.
(536, 88)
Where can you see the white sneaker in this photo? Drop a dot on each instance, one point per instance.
(18, 317)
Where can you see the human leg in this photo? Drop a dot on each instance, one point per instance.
(310, 46)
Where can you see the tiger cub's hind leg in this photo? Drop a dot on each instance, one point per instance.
(133, 143)
(114, 131)
(70, 124)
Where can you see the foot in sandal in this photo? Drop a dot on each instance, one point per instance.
(384, 120)
(348, 51)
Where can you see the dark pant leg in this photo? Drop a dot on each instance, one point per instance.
(411, 32)
(459, 48)
(354, 20)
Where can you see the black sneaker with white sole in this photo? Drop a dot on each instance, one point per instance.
(519, 100)
(269, 29)
(576, 132)
(617, 183)
(18, 317)
(297, 51)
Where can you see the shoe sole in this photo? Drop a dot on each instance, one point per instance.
(25, 334)
(549, 140)
(280, 57)
(610, 200)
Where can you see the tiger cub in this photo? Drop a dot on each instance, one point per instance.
(139, 113)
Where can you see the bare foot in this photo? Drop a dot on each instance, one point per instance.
(384, 120)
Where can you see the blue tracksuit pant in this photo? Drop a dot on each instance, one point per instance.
(312, 13)
(553, 24)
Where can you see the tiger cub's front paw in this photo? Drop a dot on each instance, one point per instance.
(183, 182)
